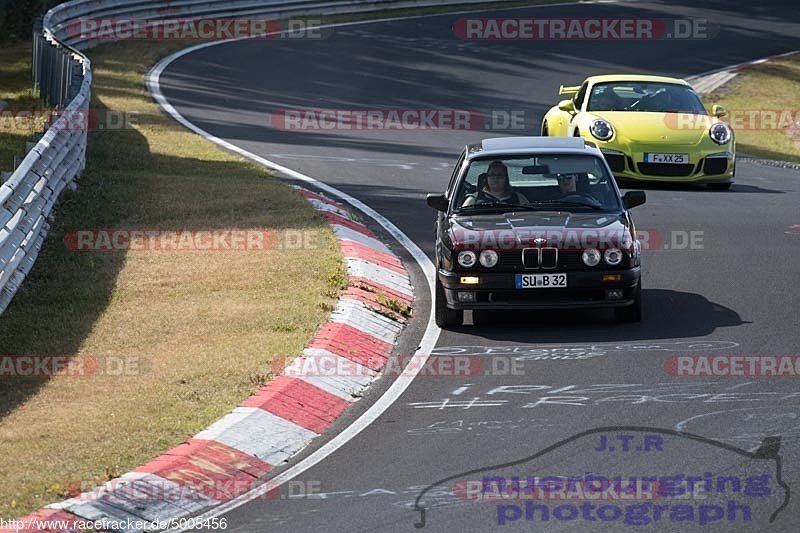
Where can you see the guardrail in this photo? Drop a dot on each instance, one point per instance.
(28, 196)
(63, 75)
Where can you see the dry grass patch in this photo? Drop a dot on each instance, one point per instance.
(202, 328)
(16, 90)
(764, 88)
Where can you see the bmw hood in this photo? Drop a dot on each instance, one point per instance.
(515, 231)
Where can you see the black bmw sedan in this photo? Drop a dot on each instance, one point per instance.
(535, 223)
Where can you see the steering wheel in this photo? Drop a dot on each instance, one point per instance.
(483, 197)
(582, 196)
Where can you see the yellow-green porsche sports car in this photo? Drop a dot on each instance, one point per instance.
(648, 128)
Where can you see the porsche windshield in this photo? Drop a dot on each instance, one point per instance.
(644, 96)
(537, 182)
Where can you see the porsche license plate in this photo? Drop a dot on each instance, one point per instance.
(541, 281)
(676, 159)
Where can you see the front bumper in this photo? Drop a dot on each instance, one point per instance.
(705, 166)
(496, 290)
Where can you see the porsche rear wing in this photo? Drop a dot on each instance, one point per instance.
(568, 90)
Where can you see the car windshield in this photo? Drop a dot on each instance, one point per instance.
(642, 96)
(563, 182)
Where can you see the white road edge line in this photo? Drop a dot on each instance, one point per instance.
(427, 343)
(419, 359)
(431, 335)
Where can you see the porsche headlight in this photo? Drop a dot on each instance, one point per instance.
(591, 257)
(720, 133)
(488, 258)
(601, 129)
(467, 258)
(613, 256)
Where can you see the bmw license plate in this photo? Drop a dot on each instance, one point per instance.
(676, 159)
(541, 281)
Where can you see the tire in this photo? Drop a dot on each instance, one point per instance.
(633, 312)
(719, 186)
(482, 317)
(445, 317)
(545, 130)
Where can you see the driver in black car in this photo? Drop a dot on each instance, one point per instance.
(498, 188)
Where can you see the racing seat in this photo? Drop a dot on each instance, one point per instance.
(582, 183)
(482, 180)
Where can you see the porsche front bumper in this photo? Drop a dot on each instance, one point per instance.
(703, 167)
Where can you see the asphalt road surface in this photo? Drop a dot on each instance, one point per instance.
(720, 278)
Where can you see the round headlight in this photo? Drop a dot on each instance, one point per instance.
(467, 258)
(488, 258)
(720, 133)
(613, 256)
(601, 129)
(591, 257)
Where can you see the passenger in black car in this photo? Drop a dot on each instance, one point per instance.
(567, 184)
(575, 187)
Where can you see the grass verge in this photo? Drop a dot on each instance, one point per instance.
(16, 91)
(768, 136)
(196, 331)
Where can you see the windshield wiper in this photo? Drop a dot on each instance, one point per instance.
(562, 202)
(493, 205)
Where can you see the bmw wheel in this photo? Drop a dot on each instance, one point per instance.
(445, 317)
(633, 312)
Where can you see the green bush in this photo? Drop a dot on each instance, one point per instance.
(17, 17)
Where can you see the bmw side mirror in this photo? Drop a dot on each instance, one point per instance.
(719, 111)
(437, 201)
(633, 198)
(567, 105)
